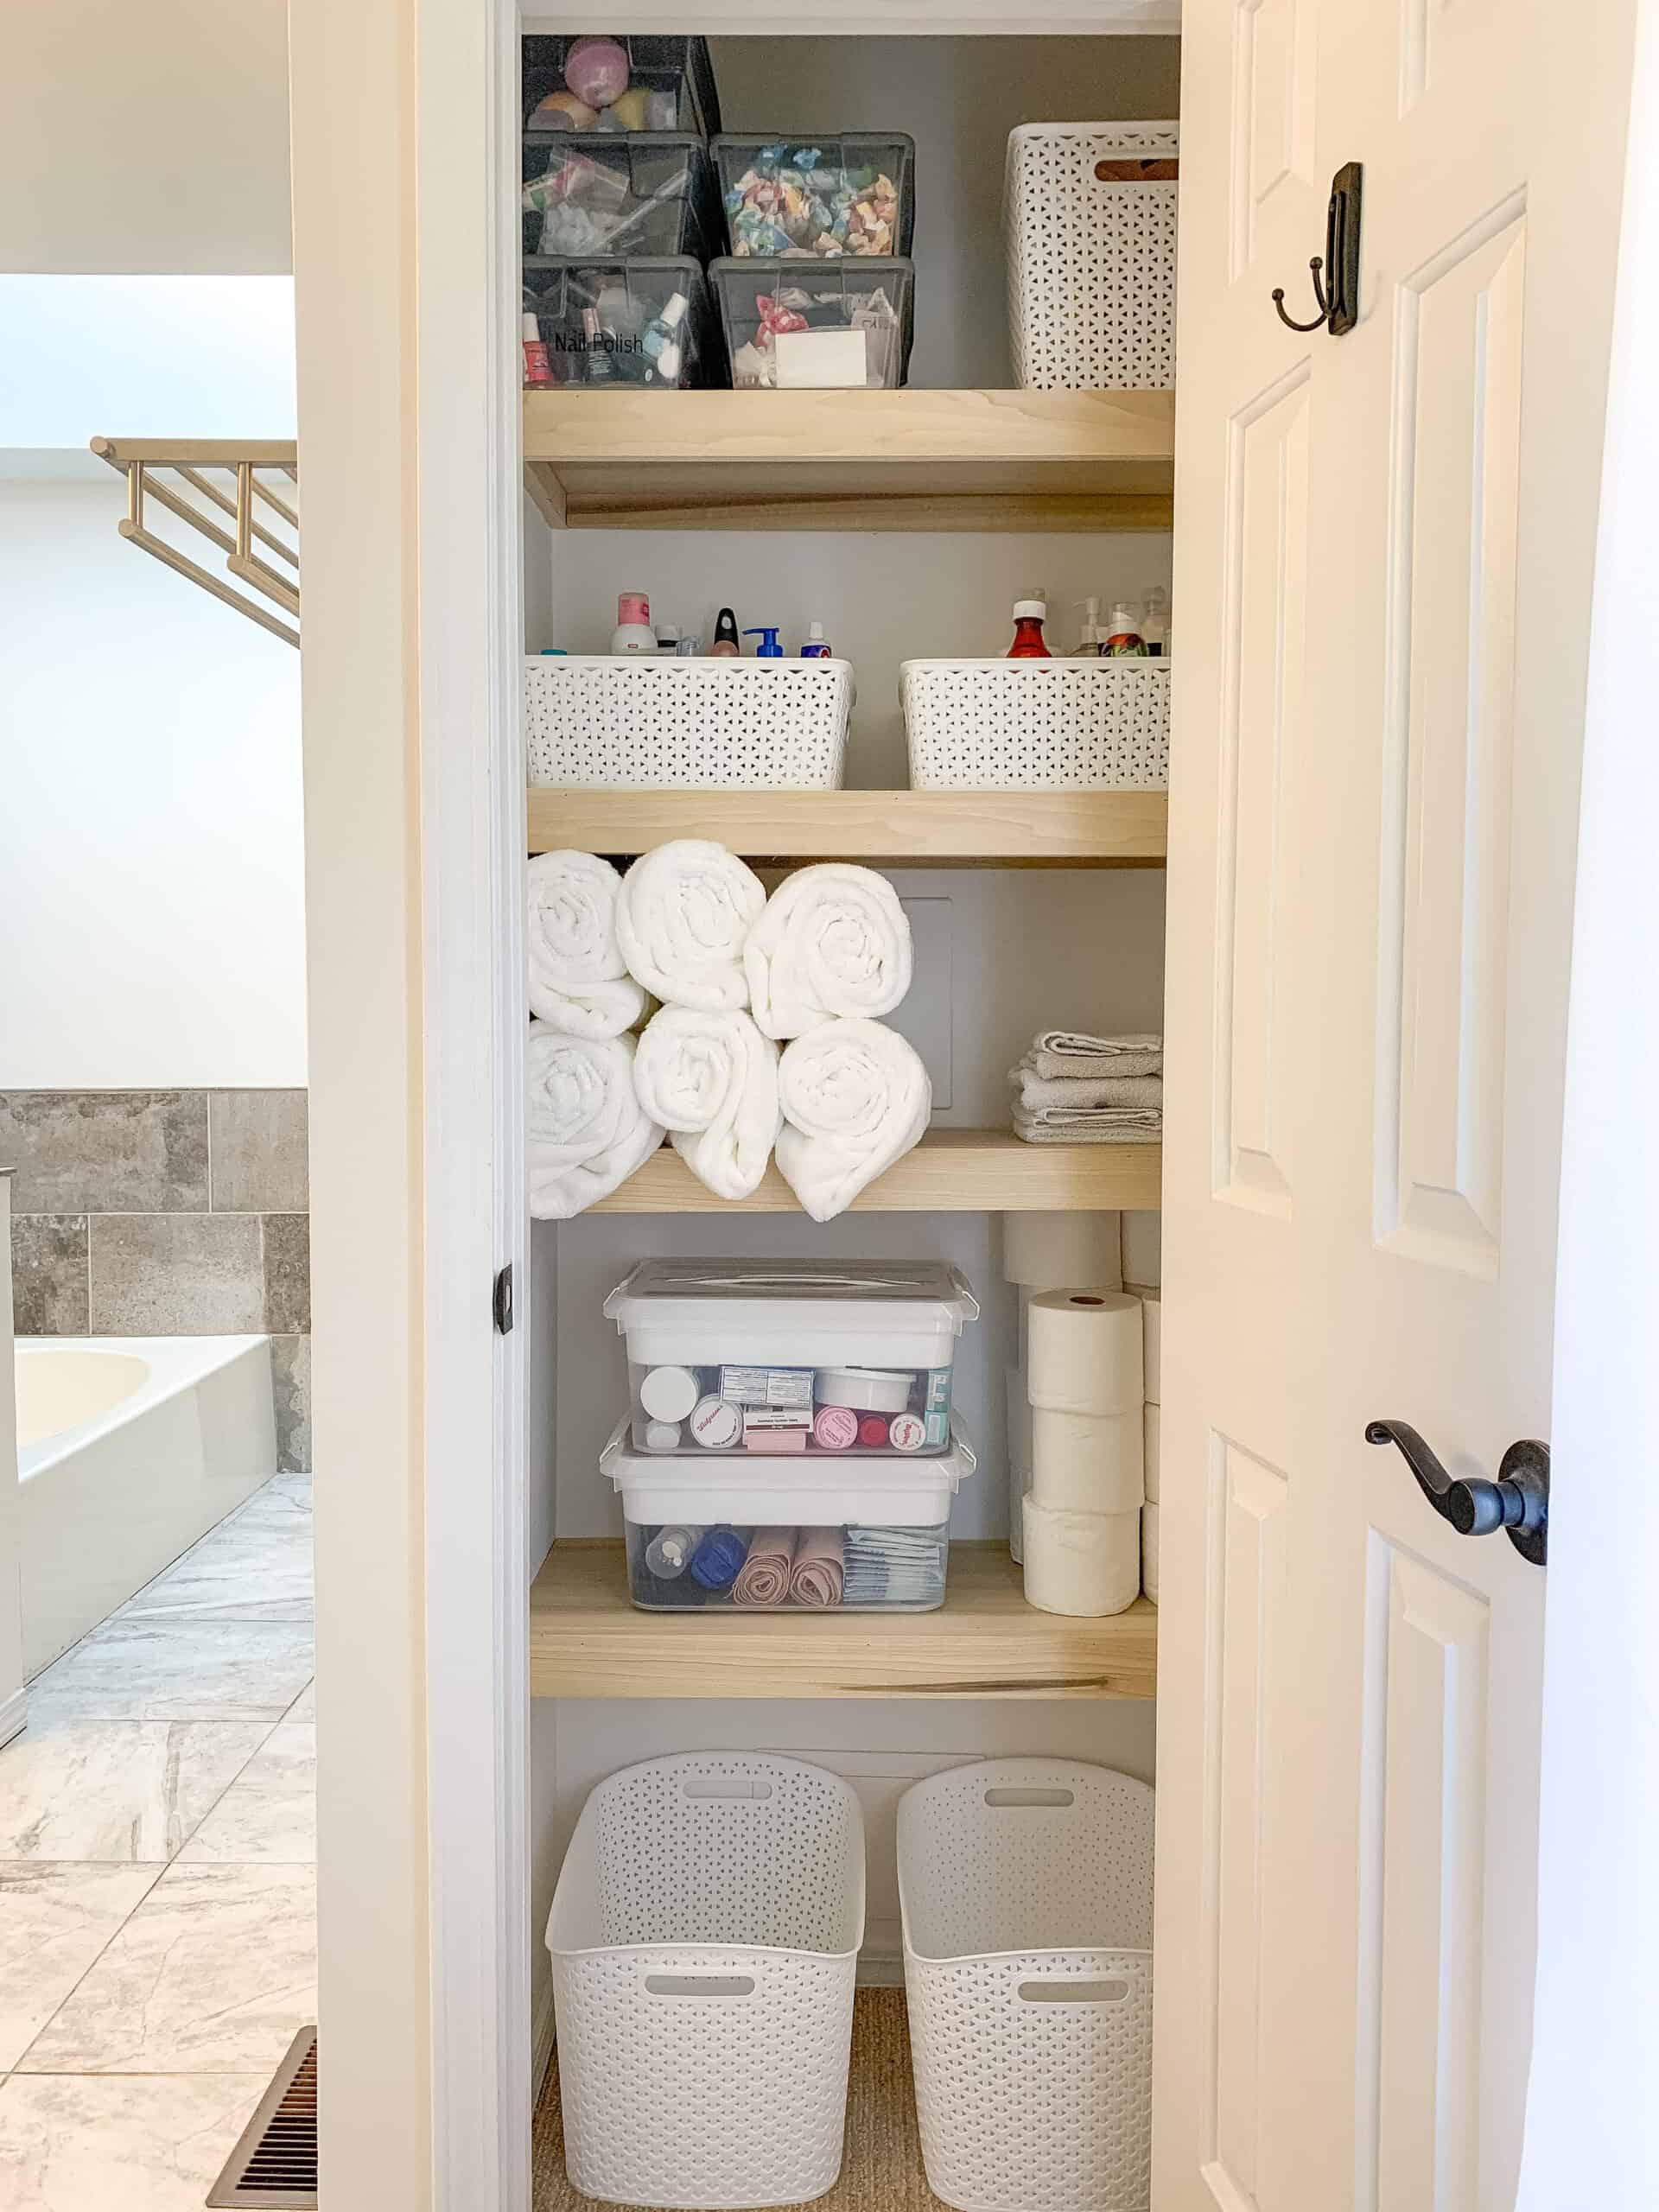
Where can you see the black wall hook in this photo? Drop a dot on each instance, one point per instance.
(1336, 290)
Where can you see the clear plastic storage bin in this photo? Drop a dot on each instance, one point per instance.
(670, 85)
(851, 193)
(1024, 1891)
(649, 195)
(743, 1529)
(801, 325)
(704, 1938)
(611, 323)
(813, 1359)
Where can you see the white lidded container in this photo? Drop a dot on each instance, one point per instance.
(1024, 1891)
(704, 1938)
(820, 1356)
(876, 1526)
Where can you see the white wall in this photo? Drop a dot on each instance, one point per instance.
(150, 827)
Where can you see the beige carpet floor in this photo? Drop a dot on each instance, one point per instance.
(882, 2169)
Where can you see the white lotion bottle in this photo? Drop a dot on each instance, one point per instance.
(633, 634)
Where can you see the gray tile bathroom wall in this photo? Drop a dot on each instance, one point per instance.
(166, 1213)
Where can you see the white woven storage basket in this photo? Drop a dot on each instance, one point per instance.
(1092, 263)
(704, 1935)
(1026, 1891)
(740, 724)
(1009, 725)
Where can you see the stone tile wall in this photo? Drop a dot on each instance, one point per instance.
(166, 1213)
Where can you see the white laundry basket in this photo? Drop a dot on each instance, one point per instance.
(1025, 1892)
(1002, 725)
(1091, 256)
(743, 725)
(704, 1935)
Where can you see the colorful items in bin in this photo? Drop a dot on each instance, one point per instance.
(841, 326)
(600, 83)
(835, 1410)
(841, 195)
(639, 321)
(617, 197)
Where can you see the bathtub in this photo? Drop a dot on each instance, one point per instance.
(128, 1448)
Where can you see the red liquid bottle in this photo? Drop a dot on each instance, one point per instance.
(1029, 643)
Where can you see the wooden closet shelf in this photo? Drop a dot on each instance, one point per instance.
(905, 460)
(952, 1171)
(587, 1640)
(907, 829)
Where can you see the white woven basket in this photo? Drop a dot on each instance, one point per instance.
(704, 1936)
(1091, 263)
(740, 724)
(1011, 725)
(1026, 1891)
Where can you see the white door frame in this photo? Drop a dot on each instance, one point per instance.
(405, 254)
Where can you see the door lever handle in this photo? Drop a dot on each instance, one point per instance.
(1518, 1502)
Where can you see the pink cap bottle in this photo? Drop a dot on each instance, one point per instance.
(633, 631)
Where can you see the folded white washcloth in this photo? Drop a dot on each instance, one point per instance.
(579, 981)
(855, 1098)
(711, 1080)
(1033, 1092)
(585, 1129)
(683, 920)
(1089, 1125)
(1075, 1052)
(834, 940)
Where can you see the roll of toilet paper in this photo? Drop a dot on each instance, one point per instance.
(1152, 1445)
(1149, 1551)
(1152, 1309)
(1027, 1294)
(1083, 1563)
(1018, 1491)
(1087, 1463)
(1052, 1251)
(1085, 1352)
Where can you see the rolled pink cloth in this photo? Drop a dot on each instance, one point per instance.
(764, 1579)
(820, 1567)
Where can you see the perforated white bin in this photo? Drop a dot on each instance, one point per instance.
(704, 1935)
(1091, 231)
(744, 725)
(1026, 1891)
(1002, 725)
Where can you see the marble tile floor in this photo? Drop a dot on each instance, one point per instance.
(157, 1862)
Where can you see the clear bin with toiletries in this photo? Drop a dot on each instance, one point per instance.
(600, 83)
(735, 1528)
(806, 324)
(807, 1359)
(650, 192)
(611, 324)
(854, 193)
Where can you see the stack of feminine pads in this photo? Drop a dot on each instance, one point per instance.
(1072, 1088)
(690, 926)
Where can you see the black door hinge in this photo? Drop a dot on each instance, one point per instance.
(501, 1300)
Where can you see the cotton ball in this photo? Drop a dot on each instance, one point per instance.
(562, 112)
(596, 70)
(631, 111)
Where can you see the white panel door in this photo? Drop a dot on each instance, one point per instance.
(1383, 570)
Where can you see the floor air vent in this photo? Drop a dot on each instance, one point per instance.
(276, 2162)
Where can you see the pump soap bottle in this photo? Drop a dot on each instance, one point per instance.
(1088, 645)
(726, 645)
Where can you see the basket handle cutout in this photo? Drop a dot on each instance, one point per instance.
(1074, 1992)
(1030, 1797)
(700, 1984)
(741, 1790)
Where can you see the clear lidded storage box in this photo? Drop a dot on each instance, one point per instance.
(806, 1358)
(853, 192)
(611, 324)
(670, 84)
(736, 1529)
(648, 193)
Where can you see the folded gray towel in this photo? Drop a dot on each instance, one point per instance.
(1086, 1091)
(1104, 1125)
(1062, 1052)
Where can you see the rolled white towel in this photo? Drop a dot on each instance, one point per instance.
(855, 1098)
(833, 940)
(579, 981)
(711, 1080)
(585, 1129)
(683, 920)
